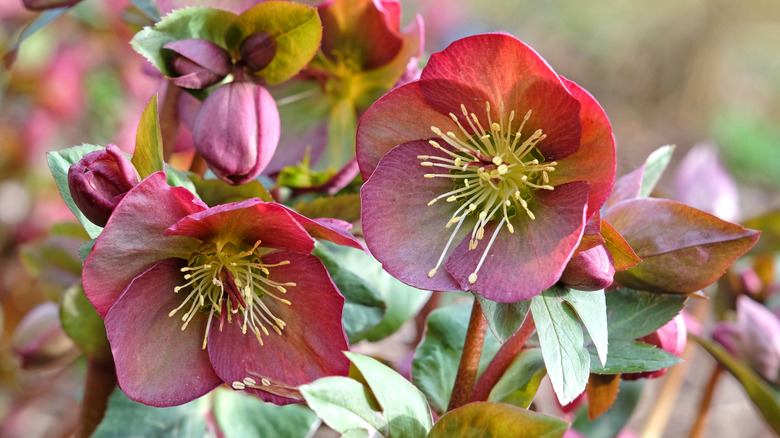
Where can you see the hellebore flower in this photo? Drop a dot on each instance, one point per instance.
(99, 181)
(198, 63)
(755, 338)
(671, 337)
(236, 131)
(195, 296)
(489, 145)
(39, 340)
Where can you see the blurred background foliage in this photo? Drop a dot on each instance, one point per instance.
(668, 71)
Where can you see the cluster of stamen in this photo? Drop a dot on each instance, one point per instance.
(226, 283)
(494, 171)
(257, 381)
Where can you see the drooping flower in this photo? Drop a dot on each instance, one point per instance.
(481, 175)
(195, 296)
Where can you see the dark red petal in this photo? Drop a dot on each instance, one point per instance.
(594, 162)
(522, 265)
(398, 117)
(335, 230)
(157, 363)
(133, 239)
(310, 346)
(244, 223)
(405, 234)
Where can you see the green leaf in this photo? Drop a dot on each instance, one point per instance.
(149, 8)
(208, 24)
(632, 314)
(345, 405)
(609, 424)
(761, 394)
(41, 21)
(591, 308)
(633, 357)
(178, 178)
(521, 380)
(561, 339)
(435, 363)
(654, 166)
(86, 248)
(504, 319)
(59, 163)
(496, 420)
(216, 192)
(185, 421)
(241, 415)
(296, 28)
(148, 155)
(83, 324)
(342, 128)
(364, 307)
(405, 408)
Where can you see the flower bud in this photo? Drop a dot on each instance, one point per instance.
(197, 63)
(591, 269)
(39, 340)
(99, 181)
(672, 338)
(40, 5)
(236, 131)
(258, 50)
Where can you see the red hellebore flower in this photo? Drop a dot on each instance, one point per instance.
(481, 175)
(194, 296)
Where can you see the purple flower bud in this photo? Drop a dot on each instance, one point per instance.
(39, 340)
(258, 50)
(39, 5)
(672, 337)
(99, 181)
(591, 269)
(198, 63)
(236, 130)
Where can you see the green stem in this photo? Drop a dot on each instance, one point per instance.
(503, 359)
(469, 361)
(700, 426)
(100, 383)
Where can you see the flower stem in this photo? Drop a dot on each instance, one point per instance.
(469, 361)
(198, 165)
(100, 383)
(422, 315)
(503, 359)
(700, 426)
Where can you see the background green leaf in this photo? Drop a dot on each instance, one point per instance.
(241, 415)
(504, 319)
(609, 424)
(59, 163)
(632, 357)
(655, 165)
(215, 191)
(496, 420)
(83, 324)
(632, 314)
(346, 405)
(521, 380)
(148, 155)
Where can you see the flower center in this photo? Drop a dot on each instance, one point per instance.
(223, 282)
(494, 172)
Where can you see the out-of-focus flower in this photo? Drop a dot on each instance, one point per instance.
(702, 182)
(39, 340)
(236, 130)
(198, 63)
(592, 269)
(671, 337)
(754, 337)
(524, 164)
(231, 292)
(99, 181)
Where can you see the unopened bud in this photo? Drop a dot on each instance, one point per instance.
(258, 50)
(99, 181)
(197, 63)
(589, 270)
(39, 340)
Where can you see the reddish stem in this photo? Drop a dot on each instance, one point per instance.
(469, 361)
(700, 426)
(503, 359)
(198, 165)
(422, 315)
(100, 383)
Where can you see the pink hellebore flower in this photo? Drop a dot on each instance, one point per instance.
(490, 144)
(236, 130)
(198, 63)
(194, 296)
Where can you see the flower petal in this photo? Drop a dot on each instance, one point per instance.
(246, 222)
(157, 363)
(398, 117)
(310, 346)
(594, 162)
(133, 238)
(522, 264)
(405, 234)
(334, 230)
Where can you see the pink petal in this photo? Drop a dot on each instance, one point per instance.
(157, 363)
(522, 265)
(401, 230)
(334, 230)
(133, 238)
(310, 346)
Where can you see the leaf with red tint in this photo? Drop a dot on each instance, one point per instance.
(497, 420)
